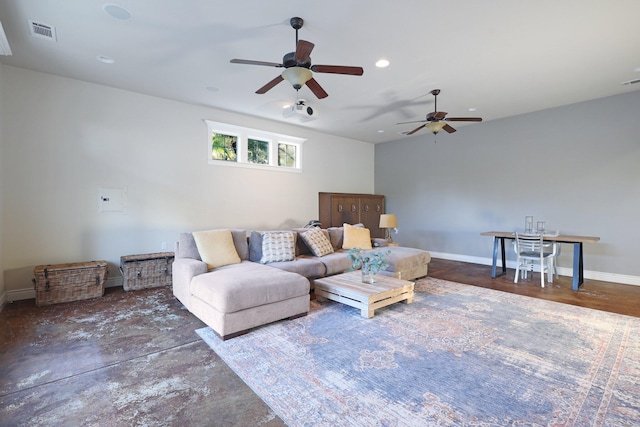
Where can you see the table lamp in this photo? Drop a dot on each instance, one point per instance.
(388, 221)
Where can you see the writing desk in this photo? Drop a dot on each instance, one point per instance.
(576, 241)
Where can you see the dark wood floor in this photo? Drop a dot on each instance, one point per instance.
(606, 296)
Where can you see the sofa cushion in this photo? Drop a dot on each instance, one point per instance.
(216, 247)
(337, 262)
(240, 242)
(401, 258)
(306, 265)
(356, 237)
(246, 285)
(187, 247)
(278, 246)
(317, 240)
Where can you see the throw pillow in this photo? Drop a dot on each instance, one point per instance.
(278, 246)
(187, 247)
(356, 237)
(317, 242)
(255, 246)
(216, 247)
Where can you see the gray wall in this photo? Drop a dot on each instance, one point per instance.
(575, 167)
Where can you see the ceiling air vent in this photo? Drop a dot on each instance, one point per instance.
(38, 29)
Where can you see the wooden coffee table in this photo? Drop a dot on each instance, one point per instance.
(347, 288)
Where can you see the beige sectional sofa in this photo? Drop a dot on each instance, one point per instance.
(253, 290)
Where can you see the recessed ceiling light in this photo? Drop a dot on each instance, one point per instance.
(105, 59)
(381, 131)
(472, 109)
(117, 12)
(382, 63)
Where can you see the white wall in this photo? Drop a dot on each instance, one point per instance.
(63, 139)
(575, 167)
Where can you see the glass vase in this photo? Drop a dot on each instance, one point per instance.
(368, 277)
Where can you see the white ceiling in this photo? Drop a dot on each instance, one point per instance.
(502, 57)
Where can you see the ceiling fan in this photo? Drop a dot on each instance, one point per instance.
(298, 69)
(436, 120)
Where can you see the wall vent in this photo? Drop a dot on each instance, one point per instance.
(630, 82)
(38, 29)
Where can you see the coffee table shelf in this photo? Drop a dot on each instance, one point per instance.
(347, 288)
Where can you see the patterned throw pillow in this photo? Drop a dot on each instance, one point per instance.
(278, 246)
(317, 242)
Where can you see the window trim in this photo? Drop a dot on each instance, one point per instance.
(243, 135)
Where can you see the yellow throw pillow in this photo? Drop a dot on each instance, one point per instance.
(356, 237)
(216, 247)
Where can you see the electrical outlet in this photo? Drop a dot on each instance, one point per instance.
(164, 246)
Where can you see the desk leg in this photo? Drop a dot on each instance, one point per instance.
(504, 258)
(578, 267)
(495, 257)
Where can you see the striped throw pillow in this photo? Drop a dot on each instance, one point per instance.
(278, 246)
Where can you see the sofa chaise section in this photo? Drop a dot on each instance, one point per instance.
(238, 297)
(234, 298)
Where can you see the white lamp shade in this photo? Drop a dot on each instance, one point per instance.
(435, 127)
(297, 76)
(388, 221)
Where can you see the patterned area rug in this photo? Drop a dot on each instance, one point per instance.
(458, 355)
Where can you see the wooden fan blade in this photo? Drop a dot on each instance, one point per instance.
(464, 119)
(439, 115)
(250, 62)
(270, 85)
(338, 69)
(303, 51)
(416, 129)
(415, 121)
(317, 90)
(448, 128)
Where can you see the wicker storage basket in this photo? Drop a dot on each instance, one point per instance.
(146, 270)
(69, 282)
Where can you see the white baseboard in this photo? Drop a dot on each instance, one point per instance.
(562, 271)
(30, 293)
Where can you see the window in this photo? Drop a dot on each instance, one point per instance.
(286, 155)
(224, 147)
(231, 145)
(258, 151)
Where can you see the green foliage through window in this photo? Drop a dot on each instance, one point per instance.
(224, 147)
(258, 151)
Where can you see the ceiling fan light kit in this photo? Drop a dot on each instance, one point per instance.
(435, 127)
(297, 76)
